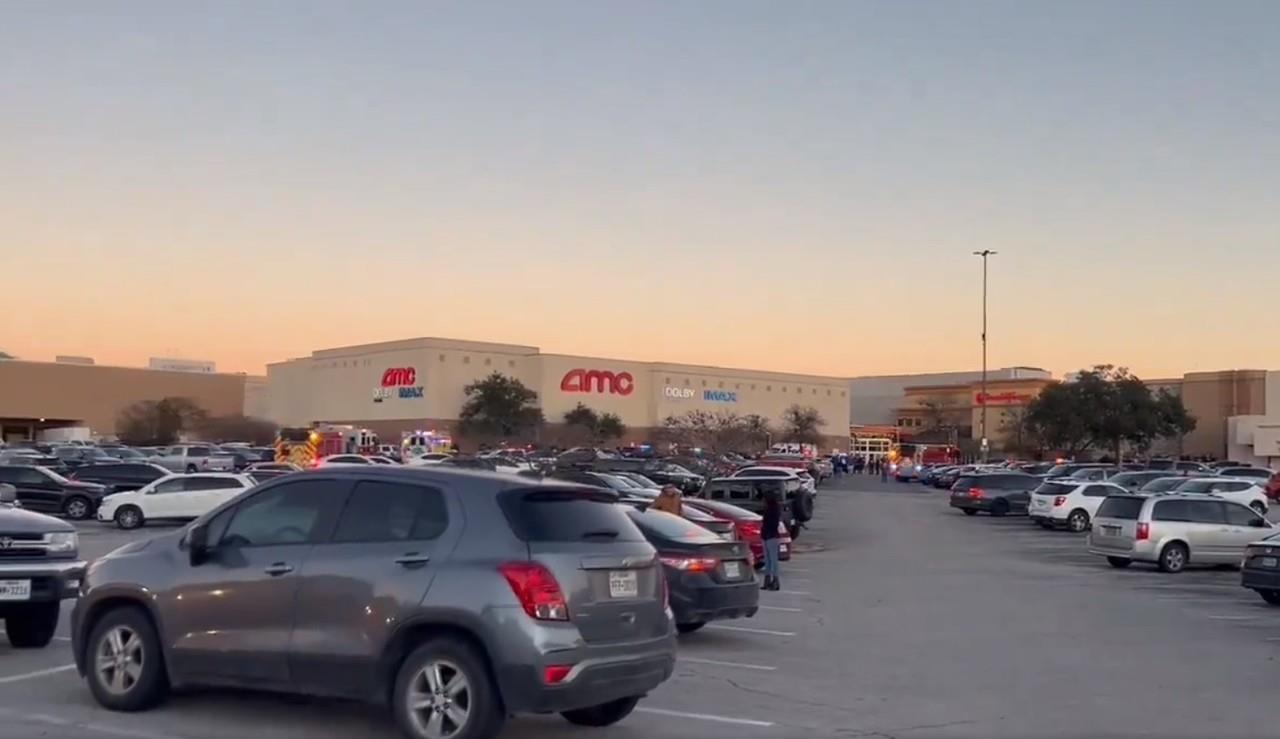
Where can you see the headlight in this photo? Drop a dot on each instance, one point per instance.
(64, 542)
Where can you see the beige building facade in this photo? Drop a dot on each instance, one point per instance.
(419, 384)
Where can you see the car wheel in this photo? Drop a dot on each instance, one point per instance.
(124, 661)
(129, 517)
(77, 508)
(969, 512)
(1000, 507)
(1078, 521)
(31, 625)
(690, 627)
(1119, 562)
(1270, 596)
(605, 714)
(444, 689)
(191, 469)
(1259, 506)
(1173, 558)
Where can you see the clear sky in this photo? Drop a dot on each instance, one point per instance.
(778, 185)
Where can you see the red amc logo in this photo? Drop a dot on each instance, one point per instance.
(597, 381)
(399, 376)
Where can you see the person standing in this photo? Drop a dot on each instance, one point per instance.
(769, 535)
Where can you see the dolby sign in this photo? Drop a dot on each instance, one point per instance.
(678, 393)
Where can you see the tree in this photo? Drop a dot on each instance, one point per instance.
(801, 424)
(587, 426)
(6, 355)
(257, 431)
(499, 407)
(610, 427)
(695, 428)
(758, 432)
(158, 422)
(939, 413)
(1019, 436)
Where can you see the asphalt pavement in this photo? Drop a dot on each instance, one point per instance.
(898, 617)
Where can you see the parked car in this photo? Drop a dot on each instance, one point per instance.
(1174, 530)
(41, 567)
(43, 490)
(661, 472)
(173, 498)
(747, 526)
(708, 578)
(274, 467)
(1260, 568)
(595, 479)
(997, 493)
(1092, 474)
(1066, 469)
(428, 458)
(1273, 487)
(1068, 504)
(1162, 484)
(638, 479)
(1253, 473)
(123, 453)
(78, 456)
(1135, 480)
(120, 476)
(552, 602)
(261, 476)
(748, 493)
(29, 458)
(783, 473)
(335, 460)
(1244, 492)
(195, 458)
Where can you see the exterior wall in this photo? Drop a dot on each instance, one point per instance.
(875, 400)
(255, 396)
(1213, 397)
(1272, 392)
(1005, 401)
(94, 395)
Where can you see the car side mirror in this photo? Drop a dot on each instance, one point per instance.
(198, 544)
(8, 494)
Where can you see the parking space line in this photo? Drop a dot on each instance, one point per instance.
(705, 717)
(37, 673)
(1231, 618)
(795, 592)
(782, 609)
(718, 663)
(746, 630)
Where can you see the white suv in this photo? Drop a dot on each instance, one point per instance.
(1068, 504)
(1245, 491)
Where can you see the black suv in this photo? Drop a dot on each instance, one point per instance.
(120, 476)
(748, 493)
(41, 489)
(39, 566)
(998, 493)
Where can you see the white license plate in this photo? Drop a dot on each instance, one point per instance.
(1111, 530)
(1268, 561)
(15, 589)
(623, 584)
(733, 570)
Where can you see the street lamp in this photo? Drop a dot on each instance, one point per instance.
(983, 427)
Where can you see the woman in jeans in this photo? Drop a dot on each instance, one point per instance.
(769, 533)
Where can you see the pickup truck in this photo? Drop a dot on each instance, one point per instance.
(41, 566)
(195, 458)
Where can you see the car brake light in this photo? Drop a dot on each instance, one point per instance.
(977, 492)
(1059, 500)
(690, 564)
(537, 590)
(749, 529)
(1144, 531)
(554, 674)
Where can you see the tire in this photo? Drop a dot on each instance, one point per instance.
(1259, 506)
(31, 625)
(129, 517)
(605, 714)
(690, 627)
(969, 511)
(481, 717)
(1119, 562)
(126, 633)
(1078, 521)
(1173, 558)
(1270, 596)
(191, 469)
(803, 506)
(1000, 508)
(77, 508)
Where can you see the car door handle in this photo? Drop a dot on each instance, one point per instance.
(412, 560)
(279, 568)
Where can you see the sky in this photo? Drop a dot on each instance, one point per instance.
(785, 186)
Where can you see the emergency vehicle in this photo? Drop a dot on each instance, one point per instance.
(417, 443)
(306, 447)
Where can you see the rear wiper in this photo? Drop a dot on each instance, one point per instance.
(600, 533)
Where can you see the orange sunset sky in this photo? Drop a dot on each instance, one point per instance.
(739, 184)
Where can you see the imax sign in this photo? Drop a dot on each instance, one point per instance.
(720, 396)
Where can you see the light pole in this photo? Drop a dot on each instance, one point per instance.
(983, 395)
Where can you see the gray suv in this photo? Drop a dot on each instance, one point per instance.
(454, 597)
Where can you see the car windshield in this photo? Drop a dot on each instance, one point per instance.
(1058, 470)
(56, 477)
(1055, 488)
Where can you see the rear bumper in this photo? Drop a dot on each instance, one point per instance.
(971, 504)
(1259, 579)
(715, 602)
(1040, 517)
(1142, 552)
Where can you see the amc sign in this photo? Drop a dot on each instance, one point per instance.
(597, 381)
(398, 382)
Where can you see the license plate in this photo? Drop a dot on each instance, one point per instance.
(623, 584)
(1268, 561)
(15, 589)
(1111, 530)
(733, 570)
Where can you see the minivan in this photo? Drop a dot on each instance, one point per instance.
(1174, 530)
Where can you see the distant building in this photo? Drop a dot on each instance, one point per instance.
(875, 400)
(72, 359)
(181, 365)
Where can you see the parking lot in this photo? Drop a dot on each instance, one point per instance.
(899, 617)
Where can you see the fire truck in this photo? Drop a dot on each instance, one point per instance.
(417, 443)
(305, 447)
(907, 459)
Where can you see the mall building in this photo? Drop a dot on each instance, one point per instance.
(418, 384)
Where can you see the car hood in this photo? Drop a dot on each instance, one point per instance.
(88, 486)
(19, 521)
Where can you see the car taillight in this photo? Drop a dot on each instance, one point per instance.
(690, 564)
(556, 673)
(749, 529)
(537, 590)
(977, 492)
(1144, 531)
(1059, 500)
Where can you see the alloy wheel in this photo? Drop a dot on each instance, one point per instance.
(439, 700)
(77, 509)
(119, 660)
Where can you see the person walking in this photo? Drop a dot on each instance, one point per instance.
(669, 500)
(884, 470)
(769, 535)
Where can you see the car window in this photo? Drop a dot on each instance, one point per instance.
(9, 475)
(567, 514)
(212, 483)
(1123, 507)
(1231, 487)
(391, 511)
(198, 451)
(1099, 491)
(1207, 511)
(1238, 515)
(176, 485)
(671, 527)
(1171, 510)
(1015, 482)
(289, 513)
